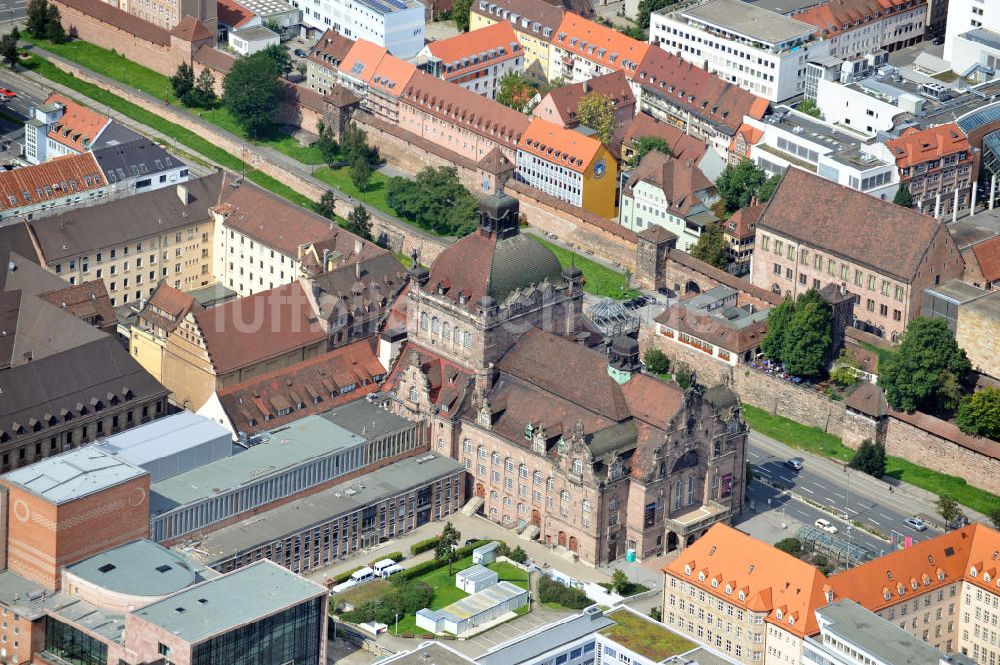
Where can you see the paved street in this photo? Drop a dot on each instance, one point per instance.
(12, 12)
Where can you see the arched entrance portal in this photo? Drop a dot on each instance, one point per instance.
(671, 541)
(480, 491)
(692, 287)
(690, 540)
(573, 545)
(536, 517)
(561, 541)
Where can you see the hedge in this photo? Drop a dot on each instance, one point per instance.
(424, 545)
(552, 591)
(427, 566)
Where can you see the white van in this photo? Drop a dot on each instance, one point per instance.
(381, 566)
(391, 570)
(364, 575)
(343, 586)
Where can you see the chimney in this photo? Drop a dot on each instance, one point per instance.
(326, 260)
(586, 86)
(358, 245)
(704, 64)
(357, 271)
(183, 195)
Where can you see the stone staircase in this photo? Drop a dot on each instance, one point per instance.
(472, 506)
(530, 532)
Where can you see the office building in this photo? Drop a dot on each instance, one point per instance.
(856, 28)
(475, 60)
(972, 38)
(396, 25)
(935, 164)
(582, 49)
(752, 47)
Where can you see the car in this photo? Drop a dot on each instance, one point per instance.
(824, 525)
(651, 300)
(551, 236)
(7, 95)
(470, 541)
(795, 463)
(938, 41)
(915, 523)
(958, 522)
(299, 53)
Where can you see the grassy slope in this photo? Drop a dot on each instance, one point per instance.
(598, 279)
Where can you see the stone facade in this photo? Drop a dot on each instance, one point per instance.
(919, 446)
(786, 399)
(711, 370)
(978, 332)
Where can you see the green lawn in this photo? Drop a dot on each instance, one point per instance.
(117, 67)
(796, 435)
(175, 132)
(341, 179)
(816, 441)
(598, 279)
(510, 573)
(883, 354)
(645, 636)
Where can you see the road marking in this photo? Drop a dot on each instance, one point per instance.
(842, 496)
(787, 480)
(873, 521)
(762, 471)
(883, 515)
(806, 489)
(753, 454)
(822, 485)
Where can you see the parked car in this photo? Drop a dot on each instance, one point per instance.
(551, 236)
(7, 95)
(469, 541)
(824, 525)
(958, 522)
(796, 463)
(915, 523)
(299, 53)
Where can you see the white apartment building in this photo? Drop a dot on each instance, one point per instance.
(793, 139)
(758, 50)
(855, 28)
(871, 105)
(972, 37)
(397, 25)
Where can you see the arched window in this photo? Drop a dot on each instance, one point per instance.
(676, 497)
(482, 452)
(717, 448)
(467, 341)
(537, 477)
(690, 492)
(508, 465)
(458, 335)
(586, 505)
(446, 330)
(522, 471)
(413, 393)
(550, 484)
(577, 466)
(496, 458)
(435, 326)
(715, 486)
(423, 320)
(467, 446)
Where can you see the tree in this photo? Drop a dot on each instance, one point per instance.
(846, 374)
(646, 144)
(655, 613)
(597, 112)
(948, 508)
(460, 13)
(354, 145)
(711, 247)
(359, 222)
(518, 555)
(447, 544)
(737, 185)
(619, 581)
(924, 372)
(683, 376)
(809, 336)
(791, 546)
(656, 361)
(994, 515)
(361, 173)
(869, 458)
(182, 81)
(903, 197)
(327, 144)
(647, 7)
(54, 31)
(202, 94)
(280, 57)
(809, 107)
(436, 199)
(38, 17)
(326, 203)
(8, 47)
(252, 92)
(515, 91)
(979, 413)
(800, 334)
(766, 190)
(773, 344)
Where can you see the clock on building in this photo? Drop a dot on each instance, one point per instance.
(599, 168)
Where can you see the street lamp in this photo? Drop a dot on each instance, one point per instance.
(396, 631)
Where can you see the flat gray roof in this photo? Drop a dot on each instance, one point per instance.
(477, 603)
(972, 230)
(785, 6)
(988, 305)
(229, 601)
(546, 638)
(748, 20)
(429, 652)
(141, 568)
(476, 573)
(74, 474)
(289, 446)
(956, 291)
(882, 639)
(166, 436)
(365, 419)
(303, 513)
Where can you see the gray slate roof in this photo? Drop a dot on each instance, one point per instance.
(135, 159)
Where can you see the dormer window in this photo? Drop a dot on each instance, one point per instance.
(729, 590)
(687, 570)
(973, 572)
(701, 577)
(986, 577)
(778, 613)
(886, 594)
(742, 596)
(715, 584)
(940, 575)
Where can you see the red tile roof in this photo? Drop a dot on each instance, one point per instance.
(88, 301)
(464, 108)
(496, 41)
(566, 147)
(191, 29)
(233, 14)
(987, 254)
(54, 179)
(680, 180)
(362, 59)
(830, 17)
(600, 44)
(922, 568)
(79, 125)
(712, 330)
(249, 330)
(750, 135)
(447, 380)
(743, 222)
(769, 579)
(694, 89)
(331, 49)
(315, 384)
(538, 14)
(273, 221)
(567, 98)
(682, 146)
(392, 75)
(213, 58)
(166, 308)
(915, 146)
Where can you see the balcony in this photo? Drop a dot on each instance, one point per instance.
(697, 519)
